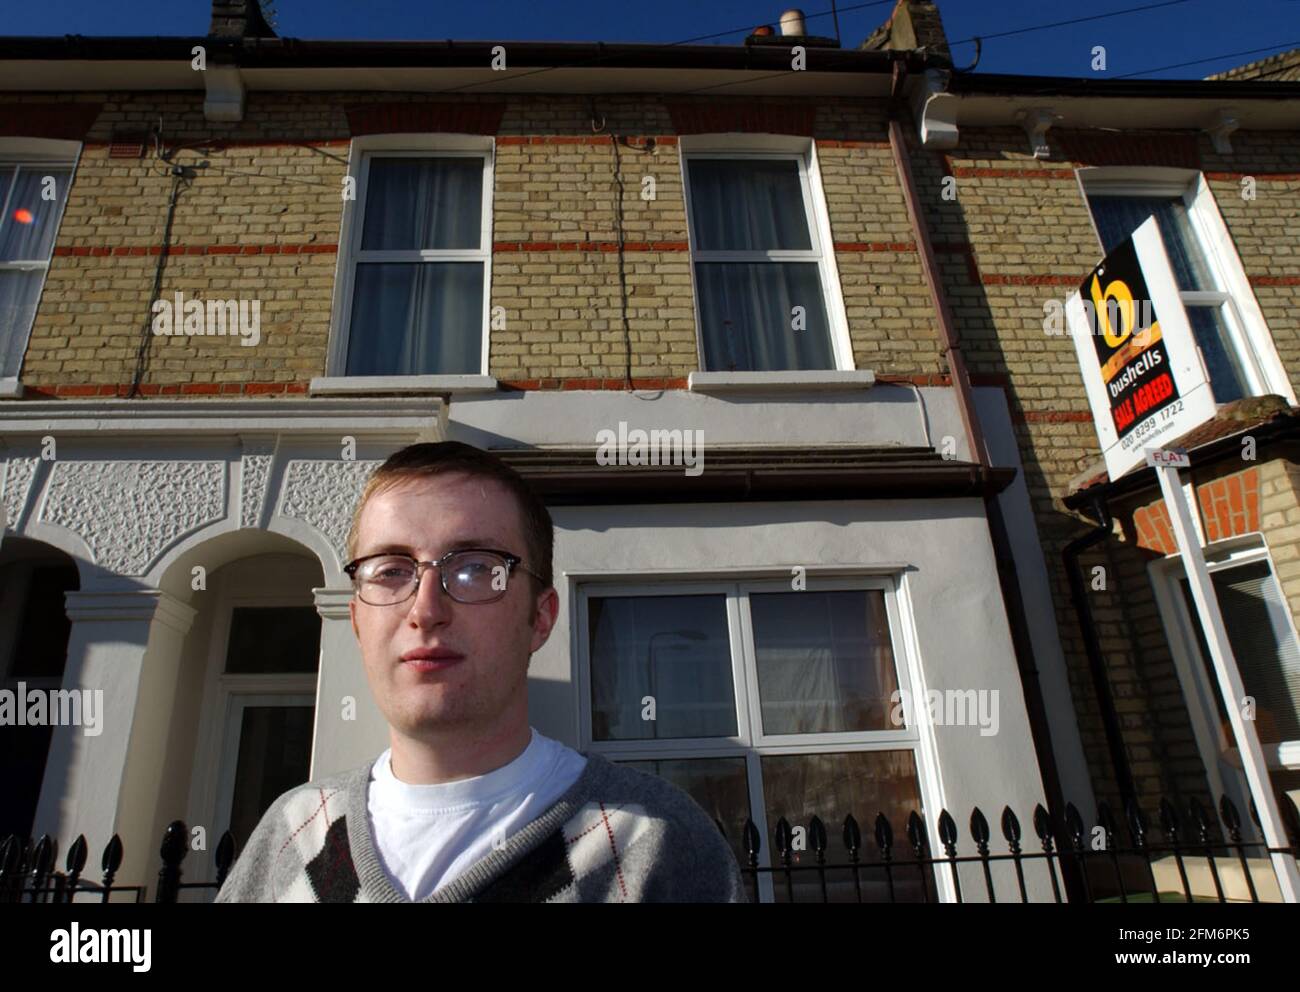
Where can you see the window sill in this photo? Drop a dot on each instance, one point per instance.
(762, 382)
(11, 389)
(410, 385)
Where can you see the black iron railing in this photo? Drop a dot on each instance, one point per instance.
(1072, 863)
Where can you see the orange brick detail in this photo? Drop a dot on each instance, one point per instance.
(1154, 530)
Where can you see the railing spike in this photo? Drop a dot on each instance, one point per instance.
(1231, 818)
(1169, 820)
(783, 836)
(1042, 823)
(1074, 825)
(916, 834)
(852, 835)
(817, 834)
(947, 829)
(1010, 825)
(44, 854)
(77, 855)
(1137, 822)
(753, 840)
(979, 829)
(112, 858)
(1200, 821)
(884, 833)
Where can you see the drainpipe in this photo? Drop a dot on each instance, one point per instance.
(1008, 580)
(1092, 644)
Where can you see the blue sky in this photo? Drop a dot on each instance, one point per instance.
(1169, 35)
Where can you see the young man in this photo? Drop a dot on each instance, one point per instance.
(451, 566)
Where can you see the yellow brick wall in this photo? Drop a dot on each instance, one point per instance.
(276, 199)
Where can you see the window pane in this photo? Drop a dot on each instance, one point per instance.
(825, 662)
(30, 222)
(1119, 216)
(675, 649)
(747, 313)
(718, 785)
(273, 639)
(19, 292)
(274, 756)
(417, 203)
(1227, 380)
(747, 205)
(417, 318)
(831, 786)
(1265, 650)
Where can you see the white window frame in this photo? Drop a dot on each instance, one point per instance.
(1216, 746)
(28, 153)
(1247, 330)
(749, 742)
(363, 149)
(225, 695)
(232, 732)
(822, 246)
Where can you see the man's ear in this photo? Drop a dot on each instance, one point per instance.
(546, 611)
(352, 613)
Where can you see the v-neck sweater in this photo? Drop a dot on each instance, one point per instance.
(617, 835)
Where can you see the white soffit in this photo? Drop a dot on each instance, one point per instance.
(1128, 112)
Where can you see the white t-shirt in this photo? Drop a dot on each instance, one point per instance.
(426, 835)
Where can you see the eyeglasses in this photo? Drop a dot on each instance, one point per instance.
(471, 575)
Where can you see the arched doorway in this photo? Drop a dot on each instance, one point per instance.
(34, 630)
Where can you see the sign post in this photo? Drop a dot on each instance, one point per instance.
(1166, 465)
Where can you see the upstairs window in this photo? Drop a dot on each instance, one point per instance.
(1234, 342)
(416, 267)
(32, 195)
(764, 284)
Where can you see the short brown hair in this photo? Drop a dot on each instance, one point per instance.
(421, 461)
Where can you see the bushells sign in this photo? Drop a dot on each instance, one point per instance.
(1143, 374)
(1134, 363)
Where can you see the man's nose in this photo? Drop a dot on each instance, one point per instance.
(430, 605)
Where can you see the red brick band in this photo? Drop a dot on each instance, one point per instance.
(120, 250)
(63, 121)
(751, 116)
(443, 117)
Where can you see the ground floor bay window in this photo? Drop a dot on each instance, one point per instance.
(1267, 654)
(763, 700)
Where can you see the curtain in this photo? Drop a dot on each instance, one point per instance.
(27, 232)
(18, 295)
(415, 203)
(419, 317)
(674, 648)
(748, 205)
(1119, 216)
(746, 313)
(825, 661)
(413, 318)
(746, 307)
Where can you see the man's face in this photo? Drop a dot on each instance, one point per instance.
(487, 685)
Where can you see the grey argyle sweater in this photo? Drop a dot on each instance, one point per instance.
(617, 835)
